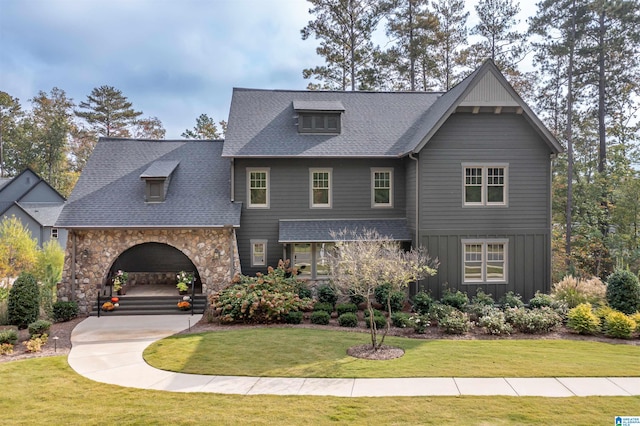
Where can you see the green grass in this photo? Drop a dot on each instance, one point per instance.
(47, 391)
(297, 352)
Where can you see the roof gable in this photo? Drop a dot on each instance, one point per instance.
(473, 92)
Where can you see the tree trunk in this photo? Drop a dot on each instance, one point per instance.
(569, 135)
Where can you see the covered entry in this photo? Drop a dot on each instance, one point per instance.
(154, 264)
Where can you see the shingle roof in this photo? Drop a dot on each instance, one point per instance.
(111, 194)
(263, 123)
(45, 213)
(160, 169)
(304, 230)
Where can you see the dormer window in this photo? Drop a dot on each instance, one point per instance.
(319, 116)
(157, 178)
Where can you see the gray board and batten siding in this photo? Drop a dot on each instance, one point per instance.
(290, 198)
(525, 222)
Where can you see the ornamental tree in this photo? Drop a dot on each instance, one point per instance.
(364, 260)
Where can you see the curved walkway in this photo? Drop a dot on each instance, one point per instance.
(109, 350)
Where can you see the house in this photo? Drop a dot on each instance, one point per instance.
(32, 200)
(466, 174)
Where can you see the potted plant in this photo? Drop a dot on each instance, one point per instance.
(120, 282)
(184, 305)
(184, 281)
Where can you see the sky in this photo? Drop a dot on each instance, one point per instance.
(173, 59)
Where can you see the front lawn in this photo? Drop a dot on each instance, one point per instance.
(296, 352)
(47, 391)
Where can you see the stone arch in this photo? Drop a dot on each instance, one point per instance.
(213, 251)
(153, 263)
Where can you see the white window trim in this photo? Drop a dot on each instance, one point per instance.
(373, 189)
(484, 243)
(253, 257)
(330, 195)
(484, 167)
(268, 174)
(54, 233)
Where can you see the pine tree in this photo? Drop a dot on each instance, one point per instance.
(10, 115)
(149, 128)
(412, 28)
(108, 112)
(205, 128)
(344, 28)
(450, 38)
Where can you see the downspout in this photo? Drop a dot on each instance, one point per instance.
(411, 156)
(233, 180)
(417, 194)
(73, 265)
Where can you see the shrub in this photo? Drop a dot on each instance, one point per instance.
(35, 344)
(293, 317)
(323, 306)
(8, 336)
(540, 300)
(573, 291)
(511, 300)
(618, 325)
(455, 323)
(320, 318)
(304, 292)
(582, 320)
(24, 301)
(636, 318)
(379, 320)
(494, 322)
(439, 311)
(400, 319)
(343, 308)
(482, 298)
(260, 299)
(327, 294)
(422, 301)
(356, 299)
(623, 291)
(456, 300)
(540, 320)
(348, 319)
(602, 311)
(419, 323)
(39, 327)
(376, 313)
(396, 298)
(65, 311)
(6, 348)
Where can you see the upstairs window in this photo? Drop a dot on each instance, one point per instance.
(258, 187)
(485, 185)
(54, 233)
(320, 187)
(319, 123)
(381, 190)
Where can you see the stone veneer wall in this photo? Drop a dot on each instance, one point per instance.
(97, 249)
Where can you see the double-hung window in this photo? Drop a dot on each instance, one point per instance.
(320, 187)
(484, 261)
(382, 187)
(258, 188)
(485, 185)
(258, 252)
